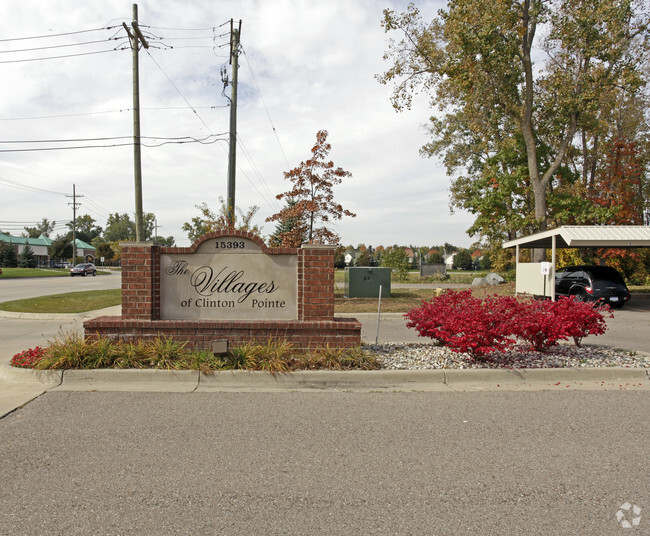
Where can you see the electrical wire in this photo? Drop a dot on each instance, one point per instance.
(53, 46)
(207, 140)
(212, 28)
(250, 66)
(65, 56)
(96, 206)
(58, 35)
(179, 92)
(18, 186)
(122, 110)
(71, 140)
(68, 140)
(184, 38)
(260, 178)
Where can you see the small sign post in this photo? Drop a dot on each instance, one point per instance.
(546, 269)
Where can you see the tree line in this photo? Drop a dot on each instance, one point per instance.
(539, 109)
(118, 228)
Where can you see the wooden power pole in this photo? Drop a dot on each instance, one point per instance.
(136, 38)
(232, 153)
(74, 205)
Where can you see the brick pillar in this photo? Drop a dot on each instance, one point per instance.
(315, 282)
(140, 280)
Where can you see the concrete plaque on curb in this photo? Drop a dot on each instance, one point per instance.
(228, 278)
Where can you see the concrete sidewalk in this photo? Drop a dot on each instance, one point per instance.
(19, 386)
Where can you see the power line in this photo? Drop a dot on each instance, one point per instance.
(71, 140)
(265, 108)
(51, 47)
(66, 141)
(260, 178)
(65, 56)
(162, 39)
(121, 110)
(208, 140)
(212, 28)
(18, 186)
(97, 206)
(179, 91)
(5, 223)
(57, 35)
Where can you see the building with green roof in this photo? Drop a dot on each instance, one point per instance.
(40, 247)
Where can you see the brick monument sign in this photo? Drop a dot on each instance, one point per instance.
(228, 286)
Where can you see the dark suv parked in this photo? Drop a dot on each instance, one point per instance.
(592, 283)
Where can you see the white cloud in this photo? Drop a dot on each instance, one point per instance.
(313, 62)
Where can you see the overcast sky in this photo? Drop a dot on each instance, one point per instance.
(306, 65)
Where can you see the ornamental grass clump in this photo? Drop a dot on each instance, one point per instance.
(72, 351)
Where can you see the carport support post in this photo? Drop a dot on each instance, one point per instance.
(553, 248)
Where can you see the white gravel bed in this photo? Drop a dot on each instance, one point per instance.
(413, 356)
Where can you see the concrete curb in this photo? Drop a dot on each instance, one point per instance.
(115, 310)
(325, 380)
(150, 380)
(357, 381)
(47, 378)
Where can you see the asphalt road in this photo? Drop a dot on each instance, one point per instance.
(19, 289)
(322, 462)
(325, 463)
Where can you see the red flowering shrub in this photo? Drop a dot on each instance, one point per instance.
(543, 323)
(464, 323)
(581, 318)
(536, 323)
(27, 358)
(468, 324)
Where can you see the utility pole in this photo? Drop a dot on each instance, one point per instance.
(155, 229)
(74, 205)
(235, 34)
(136, 38)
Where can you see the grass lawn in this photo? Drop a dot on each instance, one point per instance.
(401, 300)
(455, 276)
(13, 273)
(71, 302)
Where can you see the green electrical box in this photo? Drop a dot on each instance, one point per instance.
(364, 282)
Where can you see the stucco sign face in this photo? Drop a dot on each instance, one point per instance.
(228, 278)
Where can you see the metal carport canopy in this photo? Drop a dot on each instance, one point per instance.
(580, 236)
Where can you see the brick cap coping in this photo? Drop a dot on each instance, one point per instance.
(113, 321)
(234, 232)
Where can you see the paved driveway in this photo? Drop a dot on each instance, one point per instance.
(325, 463)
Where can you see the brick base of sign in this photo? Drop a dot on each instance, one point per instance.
(314, 326)
(338, 333)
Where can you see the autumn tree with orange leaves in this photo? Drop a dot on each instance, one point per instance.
(310, 203)
(620, 186)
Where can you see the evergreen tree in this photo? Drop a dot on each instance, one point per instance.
(435, 258)
(8, 258)
(463, 260)
(290, 229)
(26, 259)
